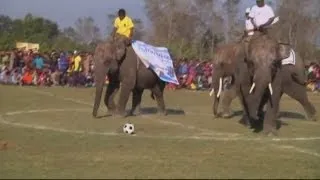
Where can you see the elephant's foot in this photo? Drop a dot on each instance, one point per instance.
(95, 114)
(312, 117)
(162, 113)
(216, 115)
(227, 115)
(111, 112)
(245, 122)
(134, 113)
(270, 131)
(120, 114)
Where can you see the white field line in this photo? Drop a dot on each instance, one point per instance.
(145, 116)
(61, 130)
(208, 137)
(297, 149)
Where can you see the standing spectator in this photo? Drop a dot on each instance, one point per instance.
(38, 62)
(13, 59)
(76, 68)
(63, 65)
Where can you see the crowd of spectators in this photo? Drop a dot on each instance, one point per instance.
(75, 69)
(313, 73)
(20, 67)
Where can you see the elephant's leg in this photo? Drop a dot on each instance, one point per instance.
(227, 97)
(112, 89)
(158, 93)
(299, 93)
(128, 75)
(123, 99)
(269, 122)
(136, 101)
(242, 94)
(258, 124)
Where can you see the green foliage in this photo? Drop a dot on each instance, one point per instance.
(35, 30)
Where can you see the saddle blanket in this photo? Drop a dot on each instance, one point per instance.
(156, 58)
(291, 59)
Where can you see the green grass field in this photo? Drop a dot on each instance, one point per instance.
(49, 133)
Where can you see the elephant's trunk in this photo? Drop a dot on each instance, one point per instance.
(260, 84)
(100, 75)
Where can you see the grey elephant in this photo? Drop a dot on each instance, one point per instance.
(119, 61)
(224, 67)
(242, 72)
(231, 79)
(270, 79)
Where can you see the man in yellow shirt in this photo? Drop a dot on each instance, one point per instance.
(77, 62)
(123, 24)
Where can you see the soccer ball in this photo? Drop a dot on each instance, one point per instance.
(128, 128)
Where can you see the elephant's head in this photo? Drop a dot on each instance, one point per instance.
(108, 57)
(225, 61)
(263, 62)
(120, 44)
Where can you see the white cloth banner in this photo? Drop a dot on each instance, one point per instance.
(156, 58)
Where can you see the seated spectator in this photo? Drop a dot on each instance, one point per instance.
(27, 77)
(5, 73)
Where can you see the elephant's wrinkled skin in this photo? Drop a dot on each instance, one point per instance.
(271, 79)
(135, 77)
(128, 71)
(229, 63)
(224, 67)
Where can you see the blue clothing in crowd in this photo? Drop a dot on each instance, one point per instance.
(183, 69)
(38, 62)
(63, 63)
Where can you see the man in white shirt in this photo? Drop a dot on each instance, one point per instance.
(261, 15)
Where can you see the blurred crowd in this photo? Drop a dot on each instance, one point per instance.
(313, 73)
(75, 69)
(21, 67)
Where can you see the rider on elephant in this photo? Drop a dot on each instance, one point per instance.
(262, 18)
(123, 25)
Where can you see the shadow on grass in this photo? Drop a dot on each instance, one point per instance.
(291, 115)
(103, 116)
(153, 110)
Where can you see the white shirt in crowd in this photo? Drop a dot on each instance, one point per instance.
(261, 15)
(249, 26)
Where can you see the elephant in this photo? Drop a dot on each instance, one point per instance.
(270, 79)
(118, 60)
(229, 63)
(241, 72)
(224, 67)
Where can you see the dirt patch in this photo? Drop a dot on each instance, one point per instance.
(5, 145)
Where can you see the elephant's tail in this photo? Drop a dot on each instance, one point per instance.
(152, 95)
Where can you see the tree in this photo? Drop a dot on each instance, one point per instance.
(86, 31)
(300, 23)
(36, 30)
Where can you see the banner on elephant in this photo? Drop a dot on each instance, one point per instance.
(156, 58)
